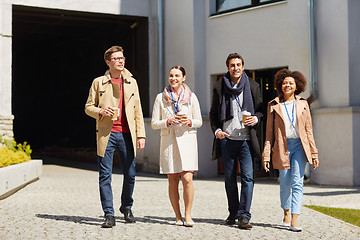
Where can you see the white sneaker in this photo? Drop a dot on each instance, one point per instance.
(284, 224)
(295, 229)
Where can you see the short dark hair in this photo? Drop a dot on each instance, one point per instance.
(181, 68)
(299, 78)
(234, 55)
(112, 50)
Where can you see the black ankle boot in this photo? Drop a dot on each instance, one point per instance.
(109, 222)
(128, 215)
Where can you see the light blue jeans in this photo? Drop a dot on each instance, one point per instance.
(292, 180)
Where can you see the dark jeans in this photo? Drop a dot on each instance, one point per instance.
(122, 141)
(231, 151)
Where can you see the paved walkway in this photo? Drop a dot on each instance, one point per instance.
(64, 204)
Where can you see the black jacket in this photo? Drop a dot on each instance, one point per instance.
(216, 123)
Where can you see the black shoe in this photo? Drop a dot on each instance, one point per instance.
(244, 223)
(128, 215)
(109, 222)
(230, 220)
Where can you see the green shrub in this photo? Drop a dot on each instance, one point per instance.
(13, 153)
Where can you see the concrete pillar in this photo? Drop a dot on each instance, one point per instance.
(207, 167)
(6, 126)
(337, 117)
(6, 118)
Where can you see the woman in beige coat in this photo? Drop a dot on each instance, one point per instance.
(177, 113)
(290, 140)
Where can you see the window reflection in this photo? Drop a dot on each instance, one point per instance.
(223, 5)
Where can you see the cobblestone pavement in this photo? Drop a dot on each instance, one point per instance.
(64, 204)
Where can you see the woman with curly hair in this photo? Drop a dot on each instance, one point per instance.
(289, 142)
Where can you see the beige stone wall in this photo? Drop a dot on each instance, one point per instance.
(335, 138)
(6, 126)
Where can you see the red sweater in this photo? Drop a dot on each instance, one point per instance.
(120, 125)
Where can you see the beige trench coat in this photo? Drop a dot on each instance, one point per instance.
(277, 144)
(178, 144)
(103, 93)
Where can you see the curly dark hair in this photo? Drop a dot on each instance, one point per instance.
(300, 80)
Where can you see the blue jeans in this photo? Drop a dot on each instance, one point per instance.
(231, 151)
(123, 142)
(292, 180)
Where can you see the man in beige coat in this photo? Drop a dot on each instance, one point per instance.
(116, 93)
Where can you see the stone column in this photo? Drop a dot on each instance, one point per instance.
(336, 118)
(6, 118)
(6, 126)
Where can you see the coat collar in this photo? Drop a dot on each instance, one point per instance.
(300, 102)
(126, 74)
(277, 99)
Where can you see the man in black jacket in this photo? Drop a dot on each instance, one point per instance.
(234, 96)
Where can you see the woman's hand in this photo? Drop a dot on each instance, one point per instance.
(315, 163)
(172, 121)
(266, 166)
(184, 120)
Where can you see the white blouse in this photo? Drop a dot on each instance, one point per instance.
(289, 115)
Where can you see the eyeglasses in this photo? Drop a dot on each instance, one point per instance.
(117, 59)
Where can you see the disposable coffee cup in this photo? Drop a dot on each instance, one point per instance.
(181, 115)
(116, 113)
(245, 115)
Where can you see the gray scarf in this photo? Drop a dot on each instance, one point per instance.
(229, 93)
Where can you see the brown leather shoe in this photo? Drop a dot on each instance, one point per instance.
(244, 223)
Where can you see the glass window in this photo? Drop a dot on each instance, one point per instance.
(224, 6)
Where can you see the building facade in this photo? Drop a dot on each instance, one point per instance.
(320, 38)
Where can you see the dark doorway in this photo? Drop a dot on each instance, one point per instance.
(56, 55)
(265, 77)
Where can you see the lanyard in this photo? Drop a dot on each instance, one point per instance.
(177, 102)
(293, 118)
(238, 102)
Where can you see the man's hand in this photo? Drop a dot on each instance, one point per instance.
(106, 111)
(140, 143)
(250, 121)
(221, 135)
